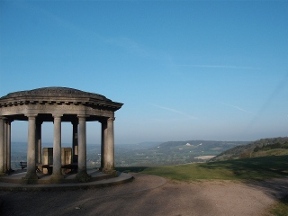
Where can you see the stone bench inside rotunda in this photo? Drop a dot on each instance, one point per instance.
(67, 164)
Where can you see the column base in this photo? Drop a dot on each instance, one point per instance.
(56, 178)
(82, 176)
(30, 178)
(9, 171)
(109, 171)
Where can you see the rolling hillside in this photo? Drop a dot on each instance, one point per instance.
(263, 147)
(172, 152)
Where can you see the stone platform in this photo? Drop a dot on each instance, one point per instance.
(14, 181)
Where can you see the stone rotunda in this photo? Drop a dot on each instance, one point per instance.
(57, 104)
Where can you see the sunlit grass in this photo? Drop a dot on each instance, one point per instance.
(242, 169)
(190, 172)
(270, 152)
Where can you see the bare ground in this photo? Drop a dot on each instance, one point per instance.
(150, 195)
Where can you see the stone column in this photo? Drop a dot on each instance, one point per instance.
(103, 140)
(109, 147)
(5, 146)
(39, 142)
(31, 176)
(82, 175)
(2, 170)
(57, 175)
(75, 142)
(8, 145)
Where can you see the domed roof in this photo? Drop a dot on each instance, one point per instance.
(58, 95)
(55, 92)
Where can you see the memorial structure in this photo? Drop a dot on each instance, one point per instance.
(57, 104)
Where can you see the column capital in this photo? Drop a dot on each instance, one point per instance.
(57, 115)
(111, 119)
(82, 116)
(104, 120)
(3, 118)
(6, 119)
(31, 115)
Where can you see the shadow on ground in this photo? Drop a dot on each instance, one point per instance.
(134, 169)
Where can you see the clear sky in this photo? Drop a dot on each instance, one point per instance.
(183, 69)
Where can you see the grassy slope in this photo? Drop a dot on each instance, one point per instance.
(270, 152)
(242, 169)
(259, 148)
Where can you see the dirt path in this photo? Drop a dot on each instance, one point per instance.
(150, 195)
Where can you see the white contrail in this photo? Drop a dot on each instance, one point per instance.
(221, 66)
(236, 107)
(175, 111)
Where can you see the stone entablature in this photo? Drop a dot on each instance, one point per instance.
(57, 104)
(63, 109)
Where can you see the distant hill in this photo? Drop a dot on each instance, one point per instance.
(207, 146)
(259, 148)
(171, 152)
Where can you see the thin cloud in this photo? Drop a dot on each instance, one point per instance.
(175, 111)
(221, 66)
(128, 44)
(236, 107)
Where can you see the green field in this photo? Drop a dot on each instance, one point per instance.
(259, 168)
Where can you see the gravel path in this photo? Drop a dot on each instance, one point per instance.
(150, 195)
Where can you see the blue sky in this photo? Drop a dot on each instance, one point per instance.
(183, 69)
